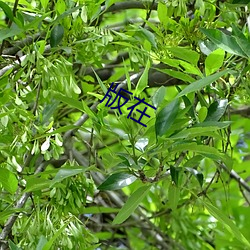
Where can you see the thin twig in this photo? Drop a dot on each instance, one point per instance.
(37, 97)
(148, 14)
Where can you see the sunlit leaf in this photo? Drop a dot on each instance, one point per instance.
(185, 54)
(158, 97)
(223, 41)
(214, 61)
(162, 12)
(216, 110)
(8, 180)
(7, 10)
(67, 172)
(117, 181)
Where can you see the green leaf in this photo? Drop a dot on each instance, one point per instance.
(35, 21)
(56, 131)
(214, 61)
(174, 172)
(227, 223)
(127, 76)
(49, 110)
(207, 46)
(67, 13)
(49, 244)
(186, 54)
(9, 211)
(117, 181)
(132, 203)
(104, 89)
(173, 196)
(204, 150)
(158, 97)
(244, 45)
(41, 243)
(34, 183)
(216, 110)
(66, 172)
(219, 125)
(238, 33)
(166, 117)
(198, 175)
(223, 41)
(147, 35)
(98, 210)
(189, 68)
(56, 35)
(177, 74)
(194, 161)
(70, 101)
(202, 114)
(88, 111)
(7, 10)
(13, 246)
(188, 105)
(197, 85)
(8, 180)
(9, 32)
(193, 132)
(44, 3)
(162, 12)
(143, 81)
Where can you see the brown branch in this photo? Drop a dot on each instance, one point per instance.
(148, 14)
(243, 111)
(236, 177)
(16, 63)
(21, 44)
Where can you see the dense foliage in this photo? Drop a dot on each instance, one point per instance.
(77, 172)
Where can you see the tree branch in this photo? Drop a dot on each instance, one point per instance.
(20, 203)
(236, 177)
(21, 44)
